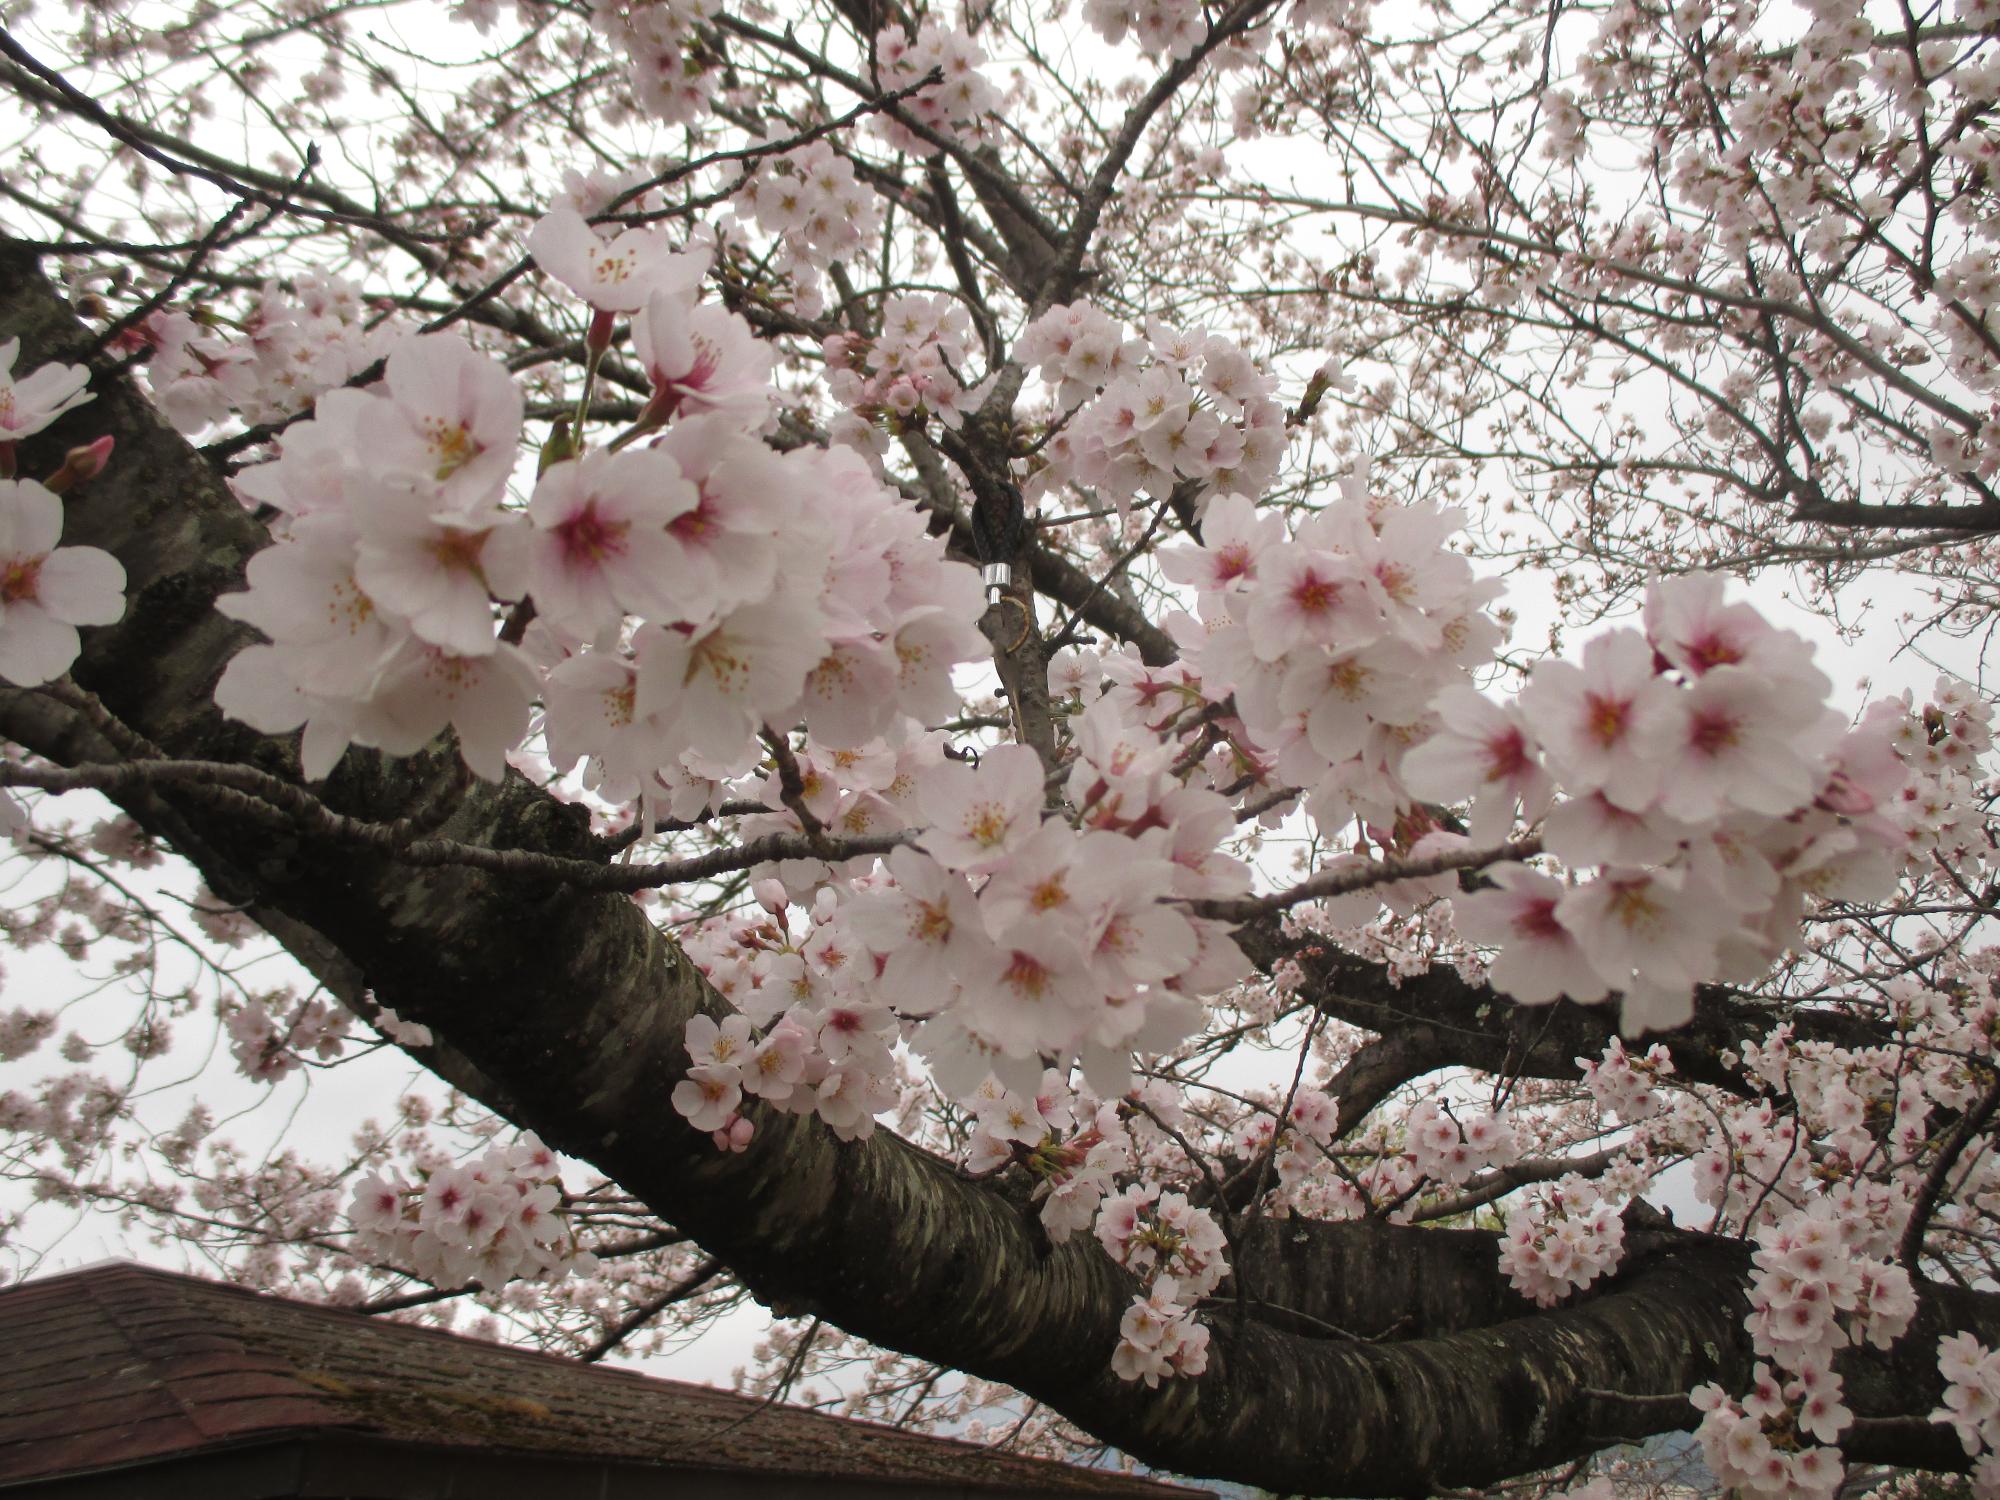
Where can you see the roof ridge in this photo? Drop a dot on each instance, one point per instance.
(174, 1369)
(107, 1270)
(232, 1359)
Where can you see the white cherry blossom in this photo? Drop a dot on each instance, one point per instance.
(29, 404)
(46, 591)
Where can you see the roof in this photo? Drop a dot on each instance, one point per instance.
(120, 1365)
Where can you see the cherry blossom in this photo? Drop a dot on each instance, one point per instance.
(981, 816)
(46, 591)
(29, 404)
(701, 359)
(619, 274)
(601, 547)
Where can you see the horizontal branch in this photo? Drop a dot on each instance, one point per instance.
(1344, 882)
(259, 795)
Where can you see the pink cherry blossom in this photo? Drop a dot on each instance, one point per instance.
(1308, 597)
(712, 688)
(447, 419)
(484, 698)
(1540, 959)
(439, 569)
(617, 274)
(1485, 752)
(926, 927)
(707, 1097)
(47, 591)
(979, 817)
(600, 545)
(29, 404)
(1605, 721)
(701, 359)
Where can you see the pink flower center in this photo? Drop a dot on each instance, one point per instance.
(1537, 919)
(621, 704)
(454, 446)
(588, 538)
(458, 551)
(707, 360)
(1506, 756)
(1633, 906)
(1026, 976)
(1711, 650)
(692, 525)
(20, 577)
(1713, 732)
(1314, 595)
(987, 825)
(1606, 718)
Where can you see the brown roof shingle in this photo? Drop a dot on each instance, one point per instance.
(123, 1364)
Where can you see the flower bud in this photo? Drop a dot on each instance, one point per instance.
(80, 464)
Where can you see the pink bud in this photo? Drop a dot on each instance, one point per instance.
(903, 397)
(770, 895)
(1841, 795)
(599, 337)
(80, 464)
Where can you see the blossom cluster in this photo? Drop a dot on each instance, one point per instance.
(1173, 28)
(1758, 1445)
(1179, 404)
(1972, 1403)
(814, 208)
(1159, 1338)
(268, 1049)
(1153, 1234)
(1943, 744)
(1331, 642)
(669, 78)
(1071, 948)
(377, 595)
(1071, 1150)
(1706, 780)
(1313, 1122)
(911, 368)
(1558, 1242)
(1622, 1084)
(1179, 1248)
(953, 106)
(671, 624)
(833, 1060)
(1449, 1149)
(495, 1219)
(1814, 1289)
(295, 342)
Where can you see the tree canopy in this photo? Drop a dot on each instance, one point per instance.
(1107, 700)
